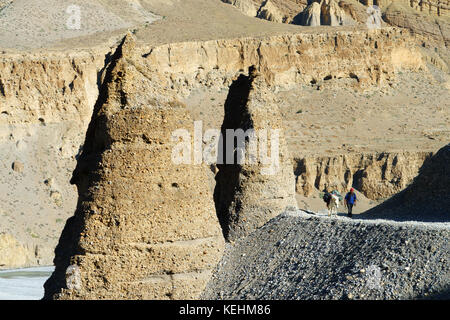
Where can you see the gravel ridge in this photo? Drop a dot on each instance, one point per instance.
(299, 255)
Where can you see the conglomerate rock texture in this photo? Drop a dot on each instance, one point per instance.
(144, 227)
(258, 184)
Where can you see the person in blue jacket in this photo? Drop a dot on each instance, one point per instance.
(350, 201)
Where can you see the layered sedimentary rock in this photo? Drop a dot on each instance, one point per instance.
(49, 88)
(373, 56)
(290, 8)
(431, 7)
(375, 175)
(13, 254)
(426, 198)
(280, 10)
(144, 227)
(255, 181)
(58, 86)
(333, 15)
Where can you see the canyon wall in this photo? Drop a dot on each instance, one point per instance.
(46, 102)
(426, 198)
(439, 8)
(289, 9)
(371, 56)
(54, 87)
(377, 176)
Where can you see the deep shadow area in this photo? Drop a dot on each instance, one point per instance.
(236, 117)
(442, 295)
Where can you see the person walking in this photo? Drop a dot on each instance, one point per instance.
(350, 201)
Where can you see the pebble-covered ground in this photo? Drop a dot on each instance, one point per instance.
(305, 256)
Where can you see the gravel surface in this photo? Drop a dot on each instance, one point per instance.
(304, 256)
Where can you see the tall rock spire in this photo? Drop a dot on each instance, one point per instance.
(250, 193)
(144, 227)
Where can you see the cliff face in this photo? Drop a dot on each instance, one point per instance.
(13, 254)
(439, 8)
(49, 88)
(426, 198)
(426, 24)
(377, 176)
(45, 106)
(289, 9)
(58, 87)
(372, 56)
(145, 227)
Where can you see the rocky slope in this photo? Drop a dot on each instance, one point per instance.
(302, 256)
(143, 229)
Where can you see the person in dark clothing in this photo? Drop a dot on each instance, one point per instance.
(350, 201)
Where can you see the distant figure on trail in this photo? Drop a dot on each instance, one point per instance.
(350, 201)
